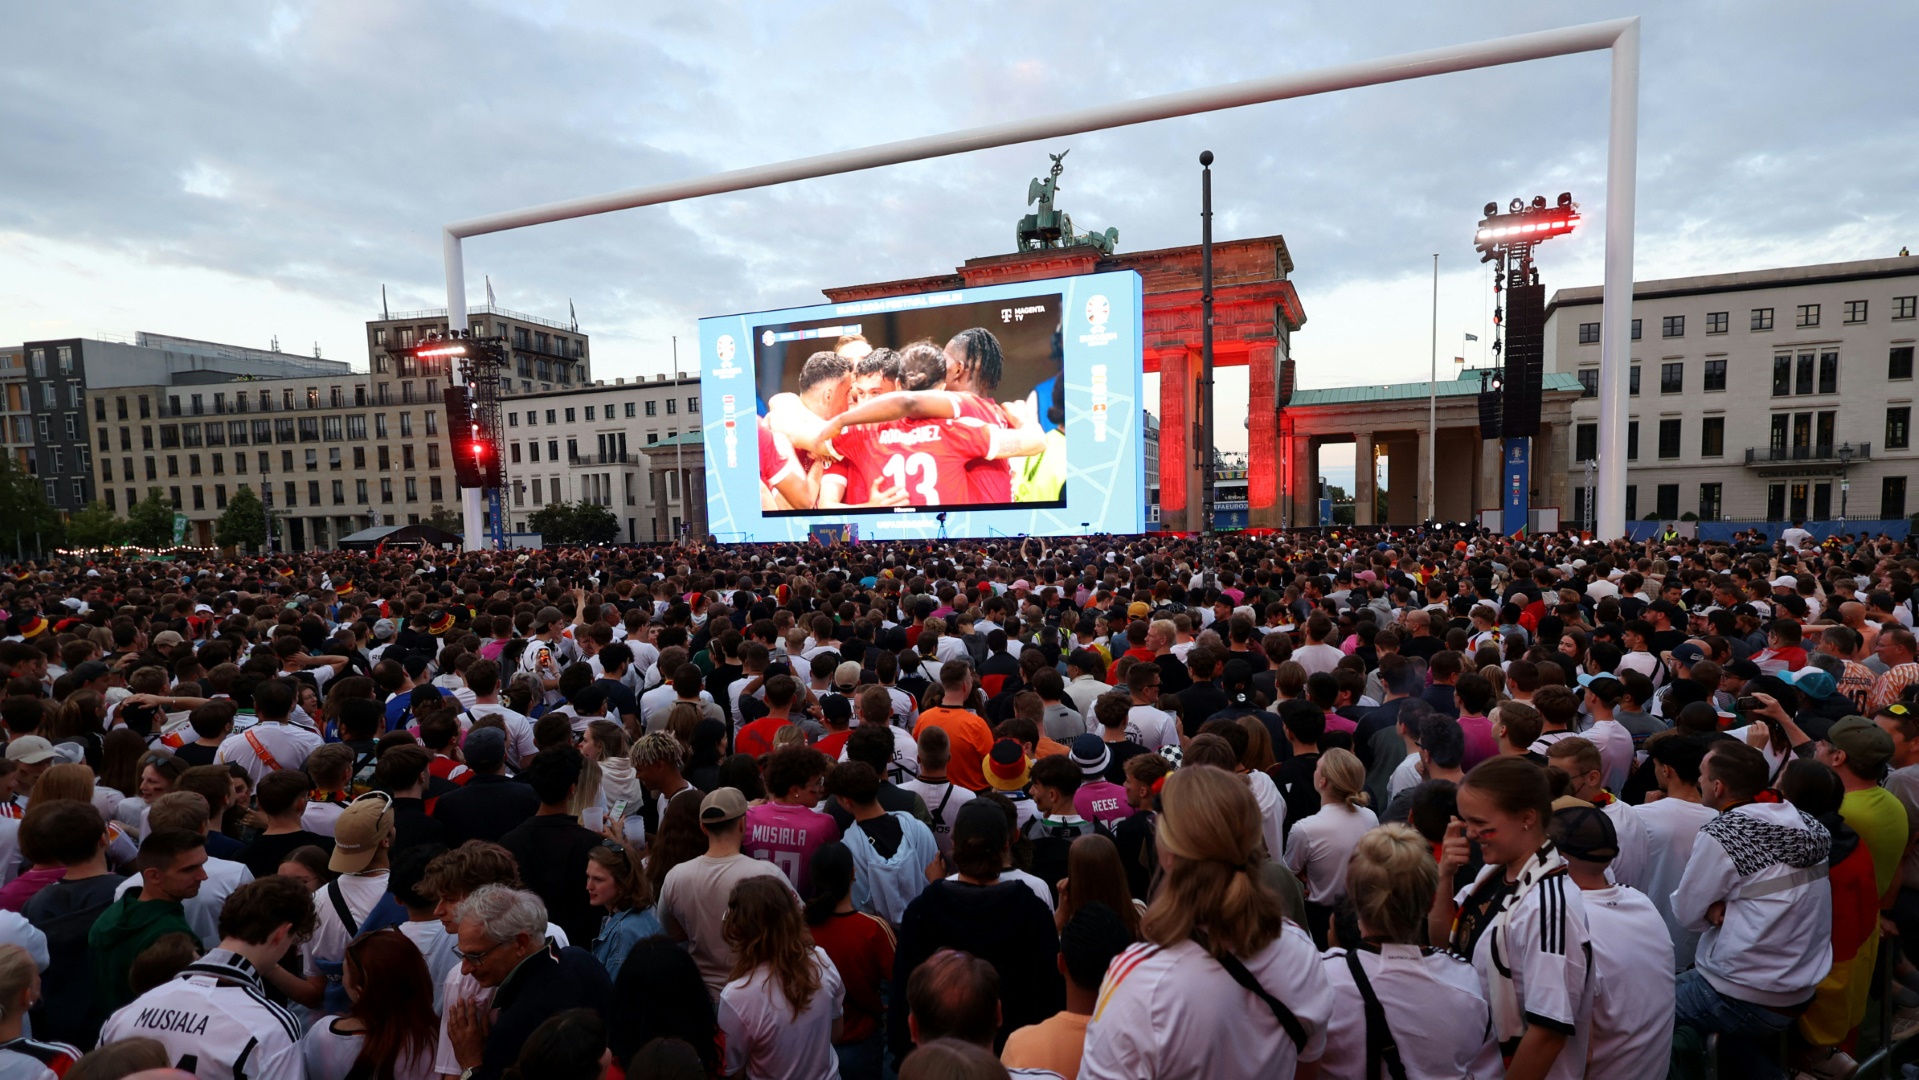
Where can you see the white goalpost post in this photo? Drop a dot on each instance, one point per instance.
(1619, 36)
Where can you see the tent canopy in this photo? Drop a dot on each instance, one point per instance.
(399, 536)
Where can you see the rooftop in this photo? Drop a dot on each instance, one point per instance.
(1778, 277)
(1466, 384)
(481, 309)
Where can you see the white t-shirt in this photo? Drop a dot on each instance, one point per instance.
(329, 1055)
(1671, 827)
(1272, 811)
(1321, 845)
(1318, 658)
(693, 898)
(519, 730)
(1796, 538)
(1151, 727)
(1176, 1014)
(1546, 944)
(766, 1041)
(1434, 1007)
(330, 938)
(1615, 747)
(1629, 866)
(943, 800)
(216, 1011)
(1632, 986)
(287, 744)
(1014, 874)
(1405, 775)
(440, 949)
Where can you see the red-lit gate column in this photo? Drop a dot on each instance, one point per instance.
(1262, 436)
(1175, 433)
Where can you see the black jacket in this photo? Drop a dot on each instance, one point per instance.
(65, 911)
(487, 808)
(552, 853)
(1004, 924)
(545, 984)
(412, 825)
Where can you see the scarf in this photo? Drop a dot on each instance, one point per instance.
(1508, 1024)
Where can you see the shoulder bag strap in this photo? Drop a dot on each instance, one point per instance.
(340, 908)
(1294, 1029)
(1380, 1047)
(260, 750)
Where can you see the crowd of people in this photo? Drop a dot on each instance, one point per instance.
(1373, 804)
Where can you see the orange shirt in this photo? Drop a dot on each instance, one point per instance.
(972, 740)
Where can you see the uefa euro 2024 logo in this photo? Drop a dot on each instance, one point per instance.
(1098, 311)
(724, 348)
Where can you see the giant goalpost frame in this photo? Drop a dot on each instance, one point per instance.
(1619, 36)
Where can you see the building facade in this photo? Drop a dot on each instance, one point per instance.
(1770, 395)
(592, 444)
(63, 375)
(16, 412)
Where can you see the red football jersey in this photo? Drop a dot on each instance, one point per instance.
(777, 457)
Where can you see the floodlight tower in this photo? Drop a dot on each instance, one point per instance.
(473, 424)
(1508, 240)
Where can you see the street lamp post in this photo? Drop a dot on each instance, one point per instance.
(1845, 481)
(1204, 438)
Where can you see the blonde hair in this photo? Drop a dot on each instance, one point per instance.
(1210, 826)
(1391, 879)
(16, 974)
(66, 781)
(1345, 777)
(790, 735)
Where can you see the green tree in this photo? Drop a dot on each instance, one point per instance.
(574, 523)
(243, 523)
(23, 502)
(94, 527)
(150, 522)
(452, 521)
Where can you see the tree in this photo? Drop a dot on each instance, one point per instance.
(150, 522)
(575, 523)
(94, 527)
(243, 523)
(452, 521)
(23, 505)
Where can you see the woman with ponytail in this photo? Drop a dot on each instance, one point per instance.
(1223, 986)
(861, 948)
(1420, 1007)
(1320, 845)
(1522, 922)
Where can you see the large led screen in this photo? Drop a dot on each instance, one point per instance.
(1006, 409)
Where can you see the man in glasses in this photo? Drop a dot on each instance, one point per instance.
(503, 947)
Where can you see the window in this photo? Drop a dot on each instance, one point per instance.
(266, 463)
(406, 425)
(109, 495)
(73, 427)
(219, 464)
(1585, 442)
(652, 408)
(153, 471)
(331, 428)
(1632, 502)
(1902, 306)
(386, 458)
(193, 464)
(379, 336)
(589, 412)
(1822, 501)
(512, 418)
(1632, 442)
(1718, 321)
(333, 458)
(536, 491)
(652, 437)
(432, 422)
(283, 431)
(1802, 374)
(386, 489)
(173, 464)
(1892, 497)
(175, 494)
(359, 491)
(379, 425)
(406, 457)
(1632, 381)
(1669, 443)
(199, 497)
(339, 493)
(313, 493)
(1672, 378)
(286, 461)
(433, 455)
(1672, 326)
(99, 408)
(672, 406)
(240, 462)
(412, 489)
(1855, 311)
(262, 432)
(1666, 500)
(356, 427)
(1589, 333)
(1712, 437)
(359, 457)
(146, 409)
(106, 469)
(1635, 329)
(37, 358)
(549, 417)
(66, 359)
(569, 416)
(1762, 320)
(434, 488)
(630, 411)
(126, 438)
(1807, 315)
(1899, 362)
(313, 460)
(693, 404)
(513, 453)
(1828, 372)
(573, 449)
(216, 434)
(1715, 376)
(1899, 427)
(533, 450)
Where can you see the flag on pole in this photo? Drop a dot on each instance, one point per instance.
(489, 290)
(574, 316)
(1472, 337)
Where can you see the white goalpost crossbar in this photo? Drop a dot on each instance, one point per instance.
(1620, 36)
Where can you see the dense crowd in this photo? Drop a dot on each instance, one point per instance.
(1371, 804)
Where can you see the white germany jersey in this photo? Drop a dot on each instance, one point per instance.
(216, 1022)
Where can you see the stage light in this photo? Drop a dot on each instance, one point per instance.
(1492, 210)
(1565, 200)
(1539, 202)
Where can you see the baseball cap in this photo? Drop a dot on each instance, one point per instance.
(545, 619)
(1785, 581)
(1006, 766)
(981, 821)
(384, 629)
(1811, 681)
(1090, 754)
(167, 639)
(1687, 653)
(1585, 833)
(1589, 679)
(484, 748)
(847, 675)
(88, 670)
(358, 830)
(30, 750)
(1866, 744)
(1138, 609)
(722, 805)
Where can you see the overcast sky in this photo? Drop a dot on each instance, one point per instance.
(240, 171)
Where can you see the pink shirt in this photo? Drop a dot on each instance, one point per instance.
(787, 837)
(1102, 801)
(1480, 744)
(27, 886)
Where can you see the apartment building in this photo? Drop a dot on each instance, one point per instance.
(590, 444)
(16, 411)
(1773, 395)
